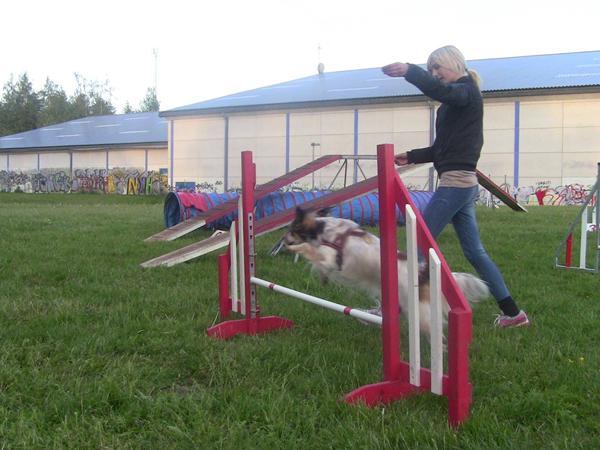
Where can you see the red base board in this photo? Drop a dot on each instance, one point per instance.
(381, 393)
(231, 328)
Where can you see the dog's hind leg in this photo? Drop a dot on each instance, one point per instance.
(425, 314)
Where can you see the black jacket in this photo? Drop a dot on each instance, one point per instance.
(459, 123)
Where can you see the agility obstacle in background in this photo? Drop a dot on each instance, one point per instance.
(400, 378)
(585, 224)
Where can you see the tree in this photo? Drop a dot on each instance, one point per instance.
(91, 98)
(55, 106)
(22, 109)
(150, 102)
(20, 106)
(100, 106)
(127, 109)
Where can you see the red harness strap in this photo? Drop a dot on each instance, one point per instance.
(340, 242)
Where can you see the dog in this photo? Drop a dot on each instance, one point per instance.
(341, 251)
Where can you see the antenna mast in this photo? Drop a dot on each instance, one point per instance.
(155, 53)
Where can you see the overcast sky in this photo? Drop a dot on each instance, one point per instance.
(211, 48)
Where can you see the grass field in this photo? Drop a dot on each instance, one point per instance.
(100, 353)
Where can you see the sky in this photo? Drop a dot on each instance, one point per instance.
(200, 50)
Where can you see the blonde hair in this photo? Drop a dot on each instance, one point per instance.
(451, 58)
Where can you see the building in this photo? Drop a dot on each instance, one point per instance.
(124, 154)
(541, 125)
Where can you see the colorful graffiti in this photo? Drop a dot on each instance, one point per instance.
(114, 181)
(541, 194)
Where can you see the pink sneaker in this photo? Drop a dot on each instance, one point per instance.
(520, 320)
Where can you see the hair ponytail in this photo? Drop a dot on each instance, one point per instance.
(475, 76)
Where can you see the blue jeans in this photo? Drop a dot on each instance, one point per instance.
(457, 205)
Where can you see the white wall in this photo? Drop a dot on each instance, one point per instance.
(558, 140)
(23, 162)
(198, 149)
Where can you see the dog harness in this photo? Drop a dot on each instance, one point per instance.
(340, 242)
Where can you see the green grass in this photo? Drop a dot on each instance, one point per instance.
(100, 353)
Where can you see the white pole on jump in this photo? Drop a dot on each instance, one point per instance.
(356, 313)
(583, 239)
(240, 222)
(414, 336)
(437, 335)
(235, 301)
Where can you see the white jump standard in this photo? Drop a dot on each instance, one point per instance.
(588, 219)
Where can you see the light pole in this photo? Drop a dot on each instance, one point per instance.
(313, 145)
(155, 53)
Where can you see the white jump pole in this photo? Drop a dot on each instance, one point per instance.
(437, 335)
(235, 300)
(583, 240)
(414, 336)
(240, 223)
(356, 313)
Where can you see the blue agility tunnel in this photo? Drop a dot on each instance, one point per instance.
(364, 210)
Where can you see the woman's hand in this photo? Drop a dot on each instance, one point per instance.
(401, 159)
(396, 69)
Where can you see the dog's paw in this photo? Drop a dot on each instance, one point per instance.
(307, 251)
(298, 248)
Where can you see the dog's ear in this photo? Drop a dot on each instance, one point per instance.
(324, 212)
(300, 213)
(306, 218)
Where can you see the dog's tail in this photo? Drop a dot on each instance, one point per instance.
(474, 288)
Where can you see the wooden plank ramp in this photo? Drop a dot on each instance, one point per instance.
(496, 190)
(188, 252)
(227, 207)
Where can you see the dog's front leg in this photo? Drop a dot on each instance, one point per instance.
(307, 251)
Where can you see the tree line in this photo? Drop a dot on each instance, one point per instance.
(23, 109)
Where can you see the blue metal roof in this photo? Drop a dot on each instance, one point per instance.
(114, 130)
(500, 76)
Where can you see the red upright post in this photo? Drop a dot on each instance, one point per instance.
(459, 387)
(248, 185)
(569, 251)
(389, 260)
(223, 264)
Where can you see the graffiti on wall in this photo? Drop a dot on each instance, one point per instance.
(541, 194)
(114, 181)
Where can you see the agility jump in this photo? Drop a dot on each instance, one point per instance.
(588, 219)
(400, 378)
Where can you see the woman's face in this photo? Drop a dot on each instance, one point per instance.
(444, 74)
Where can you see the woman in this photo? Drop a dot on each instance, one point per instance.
(454, 153)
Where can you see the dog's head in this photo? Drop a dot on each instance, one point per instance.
(305, 227)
